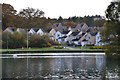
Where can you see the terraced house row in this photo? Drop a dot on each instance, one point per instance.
(79, 35)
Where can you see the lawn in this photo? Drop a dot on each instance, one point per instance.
(53, 48)
(33, 49)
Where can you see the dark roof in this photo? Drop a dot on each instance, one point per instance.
(84, 40)
(75, 33)
(65, 32)
(35, 29)
(93, 31)
(83, 34)
(76, 39)
(62, 37)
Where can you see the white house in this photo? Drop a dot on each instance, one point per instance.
(31, 31)
(40, 32)
(98, 39)
(20, 30)
(52, 34)
(58, 35)
(9, 30)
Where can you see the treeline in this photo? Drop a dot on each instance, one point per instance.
(30, 17)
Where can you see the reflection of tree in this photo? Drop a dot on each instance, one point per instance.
(113, 67)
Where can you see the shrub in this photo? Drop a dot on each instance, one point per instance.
(97, 47)
(15, 40)
(40, 41)
(89, 44)
(58, 47)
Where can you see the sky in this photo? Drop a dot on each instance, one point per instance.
(64, 8)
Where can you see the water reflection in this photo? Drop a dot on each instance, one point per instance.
(60, 68)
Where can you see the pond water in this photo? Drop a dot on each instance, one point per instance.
(61, 67)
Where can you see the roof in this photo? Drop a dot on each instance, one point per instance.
(65, 31)
(35, 29)
(75, 33)
(76, 39)
(21, 30)
(10, 28)
(84, 40)
(62, 37)
(93, 31)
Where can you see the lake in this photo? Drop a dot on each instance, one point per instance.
(60, 67)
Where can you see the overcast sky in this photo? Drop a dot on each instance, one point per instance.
(64, 8)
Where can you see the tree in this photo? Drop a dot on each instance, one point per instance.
(31, 13)
(8, 15)
(60, 18)
(31, 16)
(111, 32)
(40, 41)
(99, 23)
(15, 40)
(69, 24)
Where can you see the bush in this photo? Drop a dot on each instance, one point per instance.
(89, 44)
(40, 41)
(15, 40)
(58, 47)
(97, 47)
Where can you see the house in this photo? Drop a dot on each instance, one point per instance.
(98, 39)
(65, 35)
(31, 31)
(80, 34)
(58, 34)
(9, 30)
(72, 36)
(40, 32)
(78, 27)
(20, 30)
(84, 28)
(76, 41)
(51, 34)
(88, 39)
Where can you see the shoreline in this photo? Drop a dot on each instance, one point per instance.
(52, 51)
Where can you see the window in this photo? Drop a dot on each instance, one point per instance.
(58, 35)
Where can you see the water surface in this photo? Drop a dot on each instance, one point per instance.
(61, 67)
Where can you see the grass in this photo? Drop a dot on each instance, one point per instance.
(31, 49)
(51, 49)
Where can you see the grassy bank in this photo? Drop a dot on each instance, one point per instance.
(49, 50)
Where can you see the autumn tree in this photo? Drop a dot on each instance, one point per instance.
(8, 15)
(69, 24)
(111, 33)
(41, 41)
